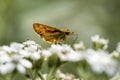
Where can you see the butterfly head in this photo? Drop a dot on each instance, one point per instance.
(67, 32)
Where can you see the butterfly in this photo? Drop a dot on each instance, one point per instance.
(51, 34)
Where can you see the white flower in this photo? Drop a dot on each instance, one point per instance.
(25, 63)
(6, 68)
(46, 53)
(6, 49)
(79, 46)
(74, 56)
(101, 41)
(29, 42)
(118, 47)
(24, 53)
(65, 53)
(21, 63)
(35, 55)
(4, 57)
(14, 61)
(5, 60)
(31, 50)
(115, 54)
(15, 56)
(21, 68)
(101, 61)
(16, 46)
(66, 76)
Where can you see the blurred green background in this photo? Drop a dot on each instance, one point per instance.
(84, 17)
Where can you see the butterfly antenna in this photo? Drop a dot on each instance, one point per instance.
(75, 39)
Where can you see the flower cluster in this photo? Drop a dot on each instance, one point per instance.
(60, 76)
(65, 53)
(29, 58)
(99, 43)
(100, 61)
(15, 56)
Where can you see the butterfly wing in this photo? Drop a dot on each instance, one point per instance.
(48, 33)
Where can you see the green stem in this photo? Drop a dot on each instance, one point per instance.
(40, 75)
(35, 74)
(31, 75)
(12, 75)
(51, 73)
(79, 71)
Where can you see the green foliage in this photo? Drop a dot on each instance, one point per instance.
(17, 17)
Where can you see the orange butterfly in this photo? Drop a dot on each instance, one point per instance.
(50, 34)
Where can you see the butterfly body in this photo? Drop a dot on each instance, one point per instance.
(51, 34)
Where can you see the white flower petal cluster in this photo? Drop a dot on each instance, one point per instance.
(46, 53)
(101, 41)
(100, 61)
(19, 56)
(66, 76)
(14, 61)
(60, 76)
(31, 50)
(64, 52)
(14, 57)
(79, 46)
(118, 47)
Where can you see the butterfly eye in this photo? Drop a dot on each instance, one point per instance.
(67, 33)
